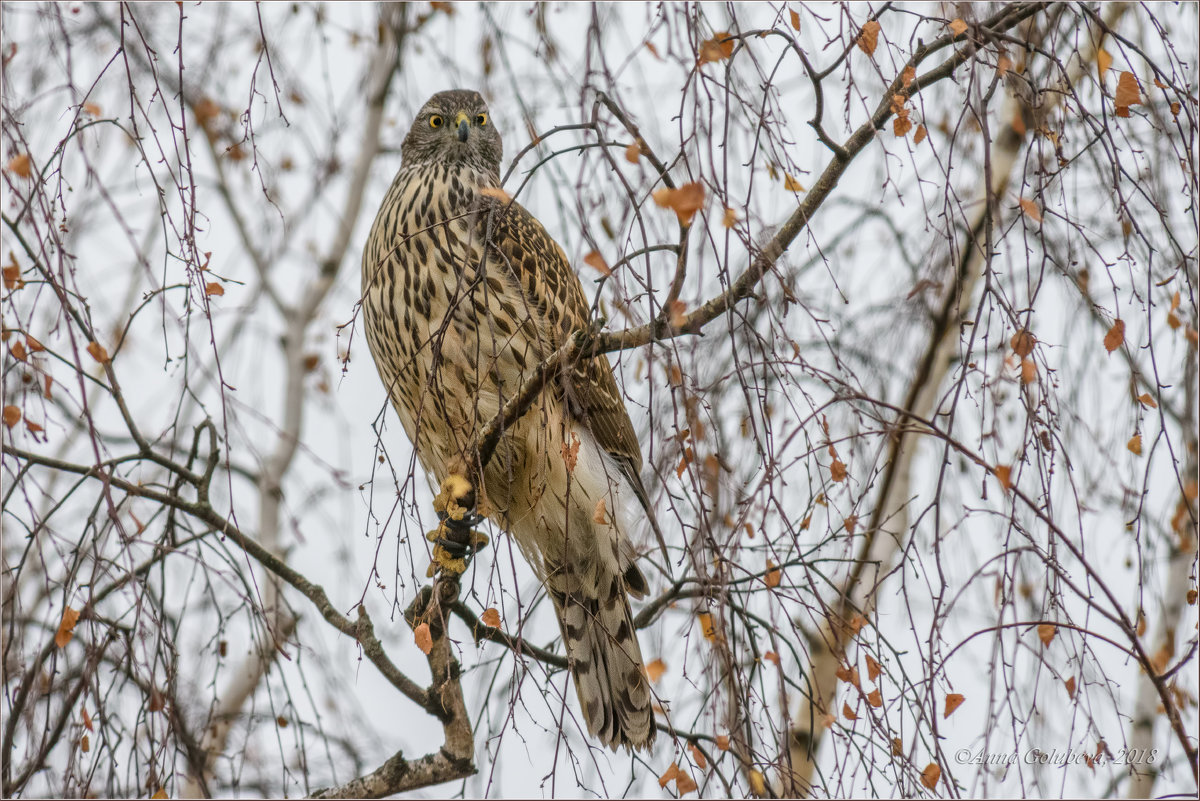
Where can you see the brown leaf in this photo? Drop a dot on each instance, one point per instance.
(157, 702)
(1147, 401)
(33, 345)
(12, 416)
(600, 513)
(791, 184)
(684, 201)
(19, 164)
(18, 351)
(837, 471)
(1046, 632)
(684, 784)
(698, 756)
(795, 19)
(868, 37)
(1128, 94)
(1070, 685)
(1115, 336)
(849, 675)
(633, 153)
(655, 670)
(1028, 371)
(856, 624)
(570, 452)
(931, 774)
(873, 668)
(731, 218)
(491, 617)
(707, 627)
(66, 627)
(1003, 474)
(97, 352)
(953, 702)
(1003, 64)
(1191, 597)
(87, 720)
(848, 713)
(1022, 342)
(597, 263)
(875, 698)
(1135, 444)
(653, 50)
(773, 575)
(920, 135)
(213, 288)
(958, 26)
(423, 638)
(722, 742)
(758, 783)
(1031, 210)
(281, 722)
(772, 657)
(908, 76)
(901, 126)
(1103, 61)
(160, 793)
(850, 523)
(495, 192)
(85, 744)
(718, 48)
(33, 427)
(897, 746)
(12, 272)
(46, 392)
(91, 109)
(677, 313)
(669, 774)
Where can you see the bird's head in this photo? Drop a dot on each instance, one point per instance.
(454, 127)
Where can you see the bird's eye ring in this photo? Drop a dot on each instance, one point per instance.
(436, 121)
(481, 120)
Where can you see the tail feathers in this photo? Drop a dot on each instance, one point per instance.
(606, 664)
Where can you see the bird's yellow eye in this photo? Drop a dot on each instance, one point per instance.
(481, 120)
(436, 121)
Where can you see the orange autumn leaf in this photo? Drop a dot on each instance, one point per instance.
(91, 109)
(491, 617)
(97, 352)
(1031, 210)
(12, 272)
(931, 774)
(12, 416)
(848, 713)
(19, 165)
(677, 313)
(795, 20)
(1028, 371)
(771, 657)
(730, 218)
(722, 742)
(920, 135)
(848, 675)
(1046, 632)
(897, 746)
(66, 627)
(570, 452)
(161, 793)
(33, 345)
(423, 638)
(707, 627)
(698, 756)
(1128, 94)
(868, 37)
(33, 427)
(873, 668)
(633, 153)
(772, 576)
(855, 624)
(655, 670)
(958, 26)
(495, 192)
(213, 288)
(791, 184)
(597, 263)
(684, 783)
(908, 76)
(85, 744)
(1135, 444)
(850, 523)
(1003, 65)
(1115, 336)
(684, 201)
(157, 702)
(1022, 343)
(87, 720)
(758, 783)
(1103, 61)
(718, 48)
(953, 702)
(1070, 685)
(18, 352)
(901, 126)
(600, 514)
(669, 774)
(875, 698)
(1003, 474)
(837, 471)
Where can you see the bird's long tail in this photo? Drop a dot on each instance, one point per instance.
(606, 660)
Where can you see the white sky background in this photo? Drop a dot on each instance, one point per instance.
(856, 299)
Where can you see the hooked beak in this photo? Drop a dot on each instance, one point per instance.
(464, 127)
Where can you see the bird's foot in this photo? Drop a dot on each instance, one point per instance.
(454, 541)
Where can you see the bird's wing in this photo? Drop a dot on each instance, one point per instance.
(553, 290)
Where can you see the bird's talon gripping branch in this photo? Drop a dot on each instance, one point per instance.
(454, 541)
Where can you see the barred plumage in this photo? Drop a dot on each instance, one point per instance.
(463, 296)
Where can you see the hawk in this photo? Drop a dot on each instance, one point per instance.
(464, 295)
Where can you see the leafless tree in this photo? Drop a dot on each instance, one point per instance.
(903, 300)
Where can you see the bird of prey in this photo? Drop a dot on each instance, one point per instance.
(464, 295)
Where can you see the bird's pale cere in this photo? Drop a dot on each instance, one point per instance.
(463, 297)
